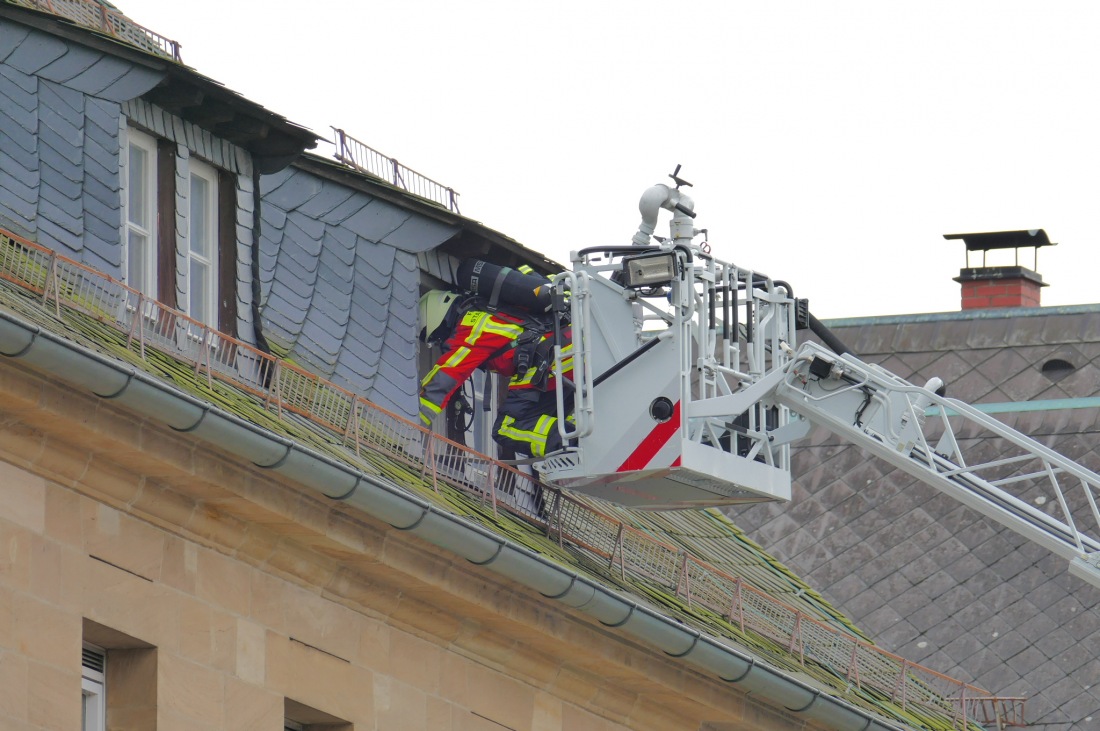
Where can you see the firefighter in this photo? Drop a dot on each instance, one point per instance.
(513, 344)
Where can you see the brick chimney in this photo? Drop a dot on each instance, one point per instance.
(988, 287)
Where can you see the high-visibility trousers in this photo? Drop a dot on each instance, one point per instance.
(528, 422)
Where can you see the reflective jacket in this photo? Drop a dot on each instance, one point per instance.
(480, 340)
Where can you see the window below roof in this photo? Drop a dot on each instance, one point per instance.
(179, 237)
(93, 712)
(202, 249)
(119, 680)
(300, 717)
(140, 252)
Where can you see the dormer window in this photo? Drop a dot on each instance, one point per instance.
(179, 230)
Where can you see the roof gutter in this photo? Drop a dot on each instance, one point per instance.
(143, 394)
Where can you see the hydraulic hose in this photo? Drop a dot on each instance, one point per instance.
(827, 336)
(817, 327)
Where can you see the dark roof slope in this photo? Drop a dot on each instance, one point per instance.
(923, 573)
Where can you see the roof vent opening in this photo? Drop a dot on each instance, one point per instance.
(1056, 369)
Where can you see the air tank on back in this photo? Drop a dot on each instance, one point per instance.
(504, 285)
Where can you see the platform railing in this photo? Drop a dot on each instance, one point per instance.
(55, 286)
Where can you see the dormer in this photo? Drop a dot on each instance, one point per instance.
(117, 155)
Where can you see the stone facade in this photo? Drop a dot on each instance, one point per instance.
(227, 599)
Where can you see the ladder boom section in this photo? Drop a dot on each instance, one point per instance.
(946, 444)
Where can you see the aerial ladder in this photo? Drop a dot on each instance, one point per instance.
(689, 390)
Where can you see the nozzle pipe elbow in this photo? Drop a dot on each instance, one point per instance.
(650, 204)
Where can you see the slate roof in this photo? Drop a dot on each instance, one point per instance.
(59, 142)
(919, 571)
(338, 272)
(60, 133)
(584, 543)
(121, 72)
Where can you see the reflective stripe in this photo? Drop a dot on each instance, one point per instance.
(475, 320)
(437, 386)
(506, 329)
(567, 357)
(456, 358)
(482, 322)
(428, 411)
(535, 437)
(428, 378)
(522, 380)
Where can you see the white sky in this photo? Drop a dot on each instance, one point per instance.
(831, 144)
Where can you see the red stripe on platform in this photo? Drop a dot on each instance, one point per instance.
(654, 441)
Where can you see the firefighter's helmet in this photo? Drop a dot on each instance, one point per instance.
(434, 307)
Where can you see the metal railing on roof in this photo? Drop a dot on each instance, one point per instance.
(105, 19)
(366, 159)
(358, 431)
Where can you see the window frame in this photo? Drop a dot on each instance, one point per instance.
(211, 233)
(147, 144)
(93, 689)
(168, 174)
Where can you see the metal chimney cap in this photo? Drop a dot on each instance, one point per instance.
(988, 241)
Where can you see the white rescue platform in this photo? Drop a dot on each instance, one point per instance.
(659, 331)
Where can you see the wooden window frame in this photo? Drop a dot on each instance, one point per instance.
(166, 223)
(207, 230)
(160, 275)
(150, 229)
(227, 252)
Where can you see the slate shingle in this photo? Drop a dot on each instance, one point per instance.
(35, 51)
(67, 180)
(20, 106)
(23, 187)
(61, 211)
(340, 246)
(294, 189)
(57, 237)
(273, 218)
(328, 198)
(419, 234)
(341, 212)
(133, 83)
(11, 37)
(375, 221)
(75, 60)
